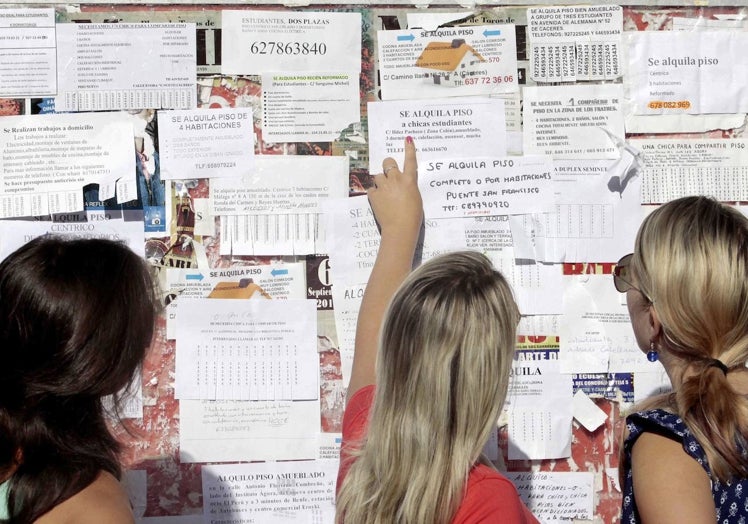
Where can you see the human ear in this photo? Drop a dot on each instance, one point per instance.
(654, 323)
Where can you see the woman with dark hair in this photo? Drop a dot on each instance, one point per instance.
(430, 373)
(685, 453)
(76, 320)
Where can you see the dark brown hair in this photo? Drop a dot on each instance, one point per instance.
(76, 320)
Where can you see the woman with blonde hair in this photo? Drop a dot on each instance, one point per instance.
(424, 396)
(685, 454)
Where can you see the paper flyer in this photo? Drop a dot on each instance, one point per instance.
(449, 61)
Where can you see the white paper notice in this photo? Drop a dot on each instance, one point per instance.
(275, 210)
(308, 106)
(329, 445)
(532, 283)
(650, 383)
(352, 240)
(126, 66)
(347, 302)
(247, 349)
(135, 483)
(556, 496)
(676, 168)
(539, 402)
(256, 42)
(682, 122)
(486, 186)
(282, 184)
(235, 430)
(570, 121)
(575, 42)
(449, 61)
(431, 19)
(206, 144)
(184, 519)
(671, 72)
(587, 413)
(15, 233)
(446, 128)
(352, 243)
(596, 334)
(597, 215)
(276, 281)
(286, 234)
(279, 493)
(28, 64)
(45, 156)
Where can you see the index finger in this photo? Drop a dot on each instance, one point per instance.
(410, 164)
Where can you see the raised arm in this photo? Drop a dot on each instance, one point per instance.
(396, 202)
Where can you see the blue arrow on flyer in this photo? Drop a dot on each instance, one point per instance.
(276, 272)
(198, 276)
(402, 38)
(495, 32)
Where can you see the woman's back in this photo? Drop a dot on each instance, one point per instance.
(673, 447)
(685, 454)
(102, 502)
(438, 344)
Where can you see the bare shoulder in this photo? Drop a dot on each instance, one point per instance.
(102, 502)
(669, 485)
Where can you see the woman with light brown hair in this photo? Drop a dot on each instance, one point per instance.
(433, 353)
(685, 454)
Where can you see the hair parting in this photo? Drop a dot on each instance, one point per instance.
(442, 373)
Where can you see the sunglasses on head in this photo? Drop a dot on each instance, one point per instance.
(622, 276)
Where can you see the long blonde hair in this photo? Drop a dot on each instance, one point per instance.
(442, 372)
(691, 260)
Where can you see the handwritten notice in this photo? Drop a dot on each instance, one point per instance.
(279, 493)
(487, 186)
(676, 72)
(555, 496)
(206, 144)
(444, 128)
(236, 430)
(449, 61)
(571, 121)
(257, 42)
(596, 335)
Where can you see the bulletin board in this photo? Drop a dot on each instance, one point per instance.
(188, 238)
